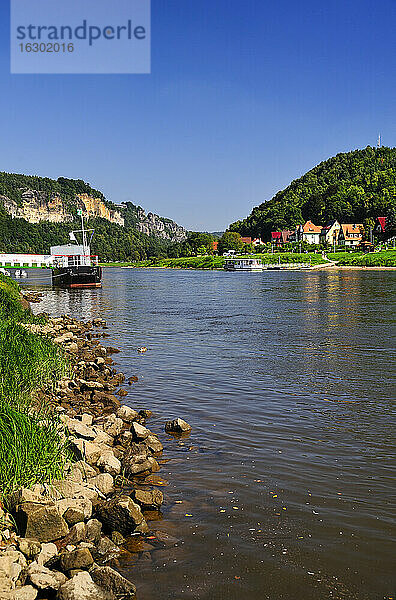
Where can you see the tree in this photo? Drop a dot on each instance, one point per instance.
(230, 240)
(349, 187)
(391, 221)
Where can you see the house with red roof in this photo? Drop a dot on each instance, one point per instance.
(276, 238)
(380, 225)
(279, 238)
(311, 233)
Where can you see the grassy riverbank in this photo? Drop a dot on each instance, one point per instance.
(357, 259)
(217, 262)
(30, 447)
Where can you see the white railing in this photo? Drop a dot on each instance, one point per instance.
(75, 260)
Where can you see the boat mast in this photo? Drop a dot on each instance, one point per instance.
(84, 233)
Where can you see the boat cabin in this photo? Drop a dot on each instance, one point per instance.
(243, 264)
(72, 255)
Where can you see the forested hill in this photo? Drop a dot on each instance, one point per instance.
(349, 187)
(37, 212)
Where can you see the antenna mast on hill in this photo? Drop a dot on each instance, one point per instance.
(379, 141)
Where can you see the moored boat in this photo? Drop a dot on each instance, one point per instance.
(243, 264)
(73, 264)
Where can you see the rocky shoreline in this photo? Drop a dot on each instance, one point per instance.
(58, 538)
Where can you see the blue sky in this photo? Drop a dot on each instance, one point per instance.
(244, 96)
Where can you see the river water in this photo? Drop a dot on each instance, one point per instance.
(285, 487)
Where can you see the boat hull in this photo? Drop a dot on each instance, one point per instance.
(77, 277)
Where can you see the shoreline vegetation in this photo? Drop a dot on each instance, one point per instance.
(385, 259)
(77, 468)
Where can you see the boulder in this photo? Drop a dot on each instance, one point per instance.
(148, 499)
(41, 522)
(93, 530)
(77, 533)
(122, 514)
(73, 515)
(80, 430)
(30, 548)
(81, 558)
(117, 538)
(125, 439)
(111, 581)
(136, 461)
(106, 550)
(85, 469)
(122, 393)
(139, 432)
(26, 495)
(127, 414)
(87, 419)
(70, 489)
(88, 451)
(177, 426)
(48, 552)
(153, 443)
(104, 482)
(103, 438)
(12, 563)
(82, 587)
(145, 413)
(113, 425)
(74, 510)
(45, 579)
(109, 463)
(27, 592)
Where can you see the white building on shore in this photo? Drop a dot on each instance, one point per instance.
(27, 260)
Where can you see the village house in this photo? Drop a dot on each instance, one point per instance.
(330, 233)
(350, 235)
(380, 225)
(311, 233)
(279, 238)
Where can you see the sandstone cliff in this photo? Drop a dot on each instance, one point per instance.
(36, 207)
(43, 206)
(95, 207)
(38, 199)
(152, 224)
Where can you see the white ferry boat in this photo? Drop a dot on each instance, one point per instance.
(247, 263)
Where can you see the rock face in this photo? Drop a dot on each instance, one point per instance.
(55, 206)
(95, 207)
(152, 224)
(40, 206)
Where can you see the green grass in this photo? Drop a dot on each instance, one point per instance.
(31, 449)
(386, 258)
(217, 262)
(375, 259)
(191, 262)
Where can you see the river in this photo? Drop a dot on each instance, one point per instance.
(285, 487)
